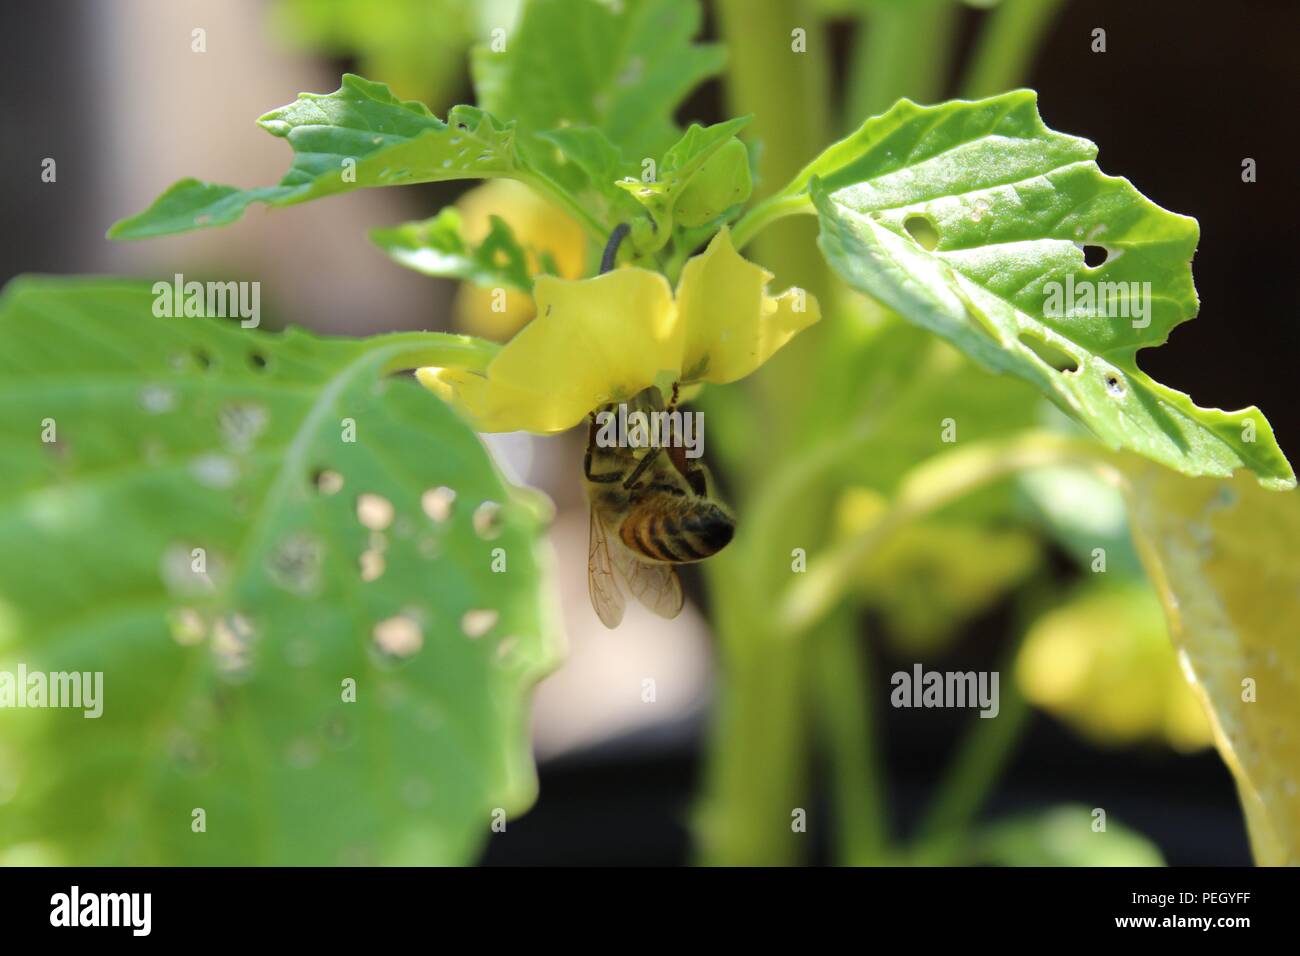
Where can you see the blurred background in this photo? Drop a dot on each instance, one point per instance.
(1184, 92)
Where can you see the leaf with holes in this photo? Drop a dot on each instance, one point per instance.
(1222, 557)
(972, 220)
(437, 247)
(360, 135)
(281, 559)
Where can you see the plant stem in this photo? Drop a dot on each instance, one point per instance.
(840, 676)
(1010, 35)
(970, 778)
(757, 770)
(547, 187)
(901, 50)
(766, 213)
(788, 92)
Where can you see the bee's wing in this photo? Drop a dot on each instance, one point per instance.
(606, 598)
(654, 584)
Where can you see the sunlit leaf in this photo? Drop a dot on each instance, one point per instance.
(972, 219)
(348, 525)
(360, 135)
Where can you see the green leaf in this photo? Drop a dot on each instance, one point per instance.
(1222, 557)
(592, 164)
(623, 68)
(1063, 836)
(593, 87)
(971, 218)
(437, 247)
(723, 183)
(324, 560)
(360, 135)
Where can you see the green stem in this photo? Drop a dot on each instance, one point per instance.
(788, 92)
(842, 695)
(548, 188)
(756, 776)
(1010, 35)
(768, 212)
(942, 836)
(970, 778)
(902, 50)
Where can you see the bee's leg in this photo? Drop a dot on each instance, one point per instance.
(642, 465)
(697, 477)
(586, 459)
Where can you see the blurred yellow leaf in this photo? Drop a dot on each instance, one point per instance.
(1222, 555)
(927, 578)
(1103, 664)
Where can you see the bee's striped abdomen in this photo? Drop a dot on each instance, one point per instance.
(679, 533)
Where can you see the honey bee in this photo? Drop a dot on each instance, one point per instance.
(651, 509)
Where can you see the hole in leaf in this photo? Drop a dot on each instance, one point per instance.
(1095, 256)
(922, 230)
(487, 520)
(398, 636)
(1053, 355)
(437, 503)
(374, 511)
(203, 358)
(258, 361)
(478, 622)
(1114, 386)
(327, 482)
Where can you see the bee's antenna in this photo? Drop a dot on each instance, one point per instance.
(611, 248)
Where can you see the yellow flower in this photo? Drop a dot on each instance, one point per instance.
(605, 339)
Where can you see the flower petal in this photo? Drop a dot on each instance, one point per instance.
(593, 341)
(731, 325)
